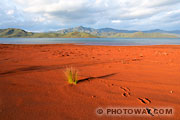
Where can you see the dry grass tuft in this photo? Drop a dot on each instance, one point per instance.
(72, 75)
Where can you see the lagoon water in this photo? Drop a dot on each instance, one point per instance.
(94, 41)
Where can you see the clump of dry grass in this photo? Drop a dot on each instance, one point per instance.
(72, 75)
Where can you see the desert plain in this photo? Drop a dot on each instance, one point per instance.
(33, 85)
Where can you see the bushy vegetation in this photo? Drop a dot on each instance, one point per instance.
(71, 75)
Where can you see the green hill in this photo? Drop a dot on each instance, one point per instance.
(18, 33)
(139, 35)
(12, 32)
(78, 35)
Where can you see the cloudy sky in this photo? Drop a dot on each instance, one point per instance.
(49, 15)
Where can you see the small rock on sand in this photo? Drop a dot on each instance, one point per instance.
(141, 55)
(93, 96)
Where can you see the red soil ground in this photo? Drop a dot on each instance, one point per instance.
(33, 85)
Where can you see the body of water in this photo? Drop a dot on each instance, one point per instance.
(94, 41)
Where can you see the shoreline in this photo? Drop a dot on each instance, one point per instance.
(83, 44)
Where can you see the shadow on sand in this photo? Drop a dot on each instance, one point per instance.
(91, 78)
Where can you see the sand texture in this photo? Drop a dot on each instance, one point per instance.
(33, 85)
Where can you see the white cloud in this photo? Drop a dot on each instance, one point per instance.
(116, 21)
(122, 14)
(10, 12)
(39, 19)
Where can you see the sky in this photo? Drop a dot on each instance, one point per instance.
(51, 15)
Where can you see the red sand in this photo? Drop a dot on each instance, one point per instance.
(33, 85)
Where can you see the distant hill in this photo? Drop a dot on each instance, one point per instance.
(79, 35)
(103, 30)
(78, 29)
(155, 30)
(162, 31)
(84, 32)
(12, 32)
(142, 35)
(109, 32)
(94, 31)
(18, 33)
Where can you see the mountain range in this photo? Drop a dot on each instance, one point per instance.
(93, 31)
(108, 30)
(85, 32)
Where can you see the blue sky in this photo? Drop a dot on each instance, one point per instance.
(50, 15)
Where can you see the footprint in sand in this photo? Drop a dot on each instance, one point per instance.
(126, 94)
(126, 91)
(144, 100)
